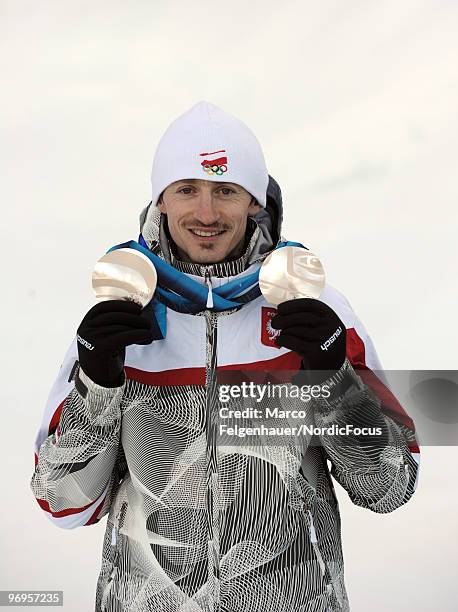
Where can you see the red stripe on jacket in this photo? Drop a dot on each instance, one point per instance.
(55, 418)
(196, 376)
(44, 505)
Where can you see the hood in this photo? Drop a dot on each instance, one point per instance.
(264, 228)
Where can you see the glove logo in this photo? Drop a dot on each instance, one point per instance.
(85, 343)
(330, 340)
(268, 333)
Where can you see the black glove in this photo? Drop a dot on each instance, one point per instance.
(312, 329)
(103, 335)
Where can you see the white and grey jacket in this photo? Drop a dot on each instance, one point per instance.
(197, 525)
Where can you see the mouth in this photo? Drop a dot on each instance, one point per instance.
(207, 235)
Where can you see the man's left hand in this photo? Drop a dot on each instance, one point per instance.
(312, 329)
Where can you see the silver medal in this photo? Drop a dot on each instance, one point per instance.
(124, 274)
(289, 273)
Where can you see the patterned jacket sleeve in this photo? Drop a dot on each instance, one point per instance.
(379, 472)
(79, 460)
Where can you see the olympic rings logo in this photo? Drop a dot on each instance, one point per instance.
(215, 168)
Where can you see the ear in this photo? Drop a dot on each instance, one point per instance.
(162, 206)
(254, 208)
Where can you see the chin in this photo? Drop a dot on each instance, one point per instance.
(207, 254)
(207, 258)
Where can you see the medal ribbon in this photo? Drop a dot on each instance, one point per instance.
(184, 294)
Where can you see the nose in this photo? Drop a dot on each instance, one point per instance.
(207, 211)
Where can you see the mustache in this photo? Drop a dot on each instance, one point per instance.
(214, 227)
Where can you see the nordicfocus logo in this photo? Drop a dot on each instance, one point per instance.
(330, 340)
(84, 342)
(214, 166)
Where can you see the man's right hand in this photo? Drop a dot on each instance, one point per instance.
(103, 335)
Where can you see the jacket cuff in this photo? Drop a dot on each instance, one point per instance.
(340, 385)
(86, 385)
(101, 403)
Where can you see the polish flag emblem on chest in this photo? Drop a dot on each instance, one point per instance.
(268, 333)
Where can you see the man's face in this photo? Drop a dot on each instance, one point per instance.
(206, 219)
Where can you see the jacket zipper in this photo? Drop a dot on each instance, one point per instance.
(212, 460)
(211, 407)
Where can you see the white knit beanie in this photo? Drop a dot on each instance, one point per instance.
(207, 143)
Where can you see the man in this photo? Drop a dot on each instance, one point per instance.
(192, 524)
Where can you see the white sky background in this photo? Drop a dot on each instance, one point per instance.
(354, 104)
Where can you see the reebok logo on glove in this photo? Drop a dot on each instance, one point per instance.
(84, 342)
(329, 341)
